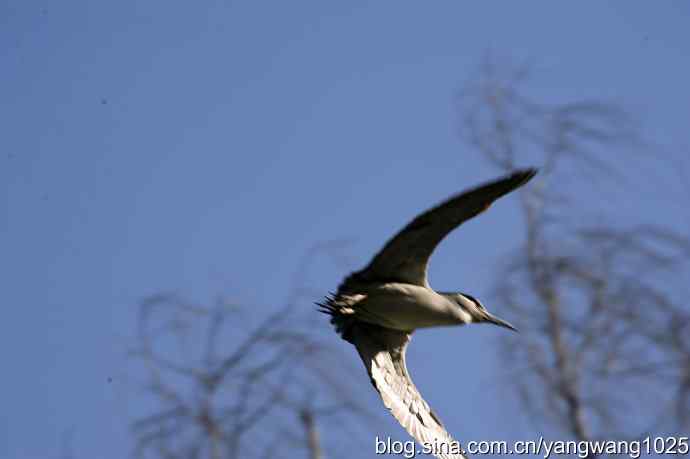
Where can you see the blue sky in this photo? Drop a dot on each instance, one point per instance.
(204, 147)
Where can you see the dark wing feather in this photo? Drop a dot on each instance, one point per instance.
(383, 352)
(405, 257)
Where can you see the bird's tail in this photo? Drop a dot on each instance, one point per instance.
(339, 307)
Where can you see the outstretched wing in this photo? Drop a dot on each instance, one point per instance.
(383, 352)
(405, 257)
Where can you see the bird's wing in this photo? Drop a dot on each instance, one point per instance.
(404, 258)
(383, 352)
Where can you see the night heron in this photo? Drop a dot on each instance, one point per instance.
(377, 309)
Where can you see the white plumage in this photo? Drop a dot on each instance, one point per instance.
(377, 309)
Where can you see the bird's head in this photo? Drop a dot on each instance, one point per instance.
(472, 311)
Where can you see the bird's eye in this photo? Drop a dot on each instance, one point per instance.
(474, 300)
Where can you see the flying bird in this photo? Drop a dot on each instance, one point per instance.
(379, 307)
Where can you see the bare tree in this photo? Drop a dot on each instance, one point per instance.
(605, 343)
(226, 385)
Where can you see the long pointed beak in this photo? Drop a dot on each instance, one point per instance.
(500, 322)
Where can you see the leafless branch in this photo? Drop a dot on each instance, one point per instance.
(218, 384)
(604, 338)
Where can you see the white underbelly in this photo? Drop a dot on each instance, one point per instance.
(406, 307)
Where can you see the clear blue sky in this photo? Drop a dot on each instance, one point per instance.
(202, 147)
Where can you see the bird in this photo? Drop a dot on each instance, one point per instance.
(377, 308)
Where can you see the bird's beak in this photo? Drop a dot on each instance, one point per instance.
(500, 322)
